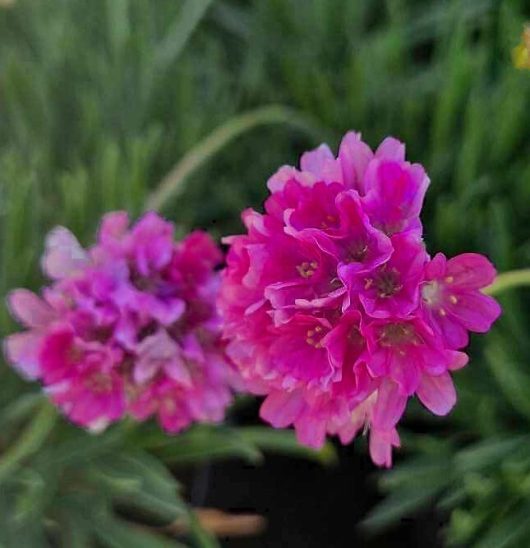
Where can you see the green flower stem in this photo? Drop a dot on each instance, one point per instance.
(509, 280)
(173, 183)
(29, 441)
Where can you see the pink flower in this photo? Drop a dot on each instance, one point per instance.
(452, 300)
(391, 289)
(394, 195)
(128, 326)
(382, 438)
(403, 350)
(331, 308)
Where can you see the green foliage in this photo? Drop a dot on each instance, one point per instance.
(98, 102)
(62, 486)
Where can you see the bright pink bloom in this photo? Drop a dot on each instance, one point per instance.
(392, 288)
(403, 350)
(129, 326)
(331, 308)
(452, 299)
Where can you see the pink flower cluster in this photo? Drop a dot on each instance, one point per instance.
(128, 327)
(333, 308)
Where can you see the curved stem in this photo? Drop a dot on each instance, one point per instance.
(30, 440)
(509, 280)
(173, 183)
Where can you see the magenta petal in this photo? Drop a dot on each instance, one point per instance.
(389, 406)
(282, 408)
(405, 370)
(395, 193)
(475, 311)
(470, 271)
(378, 362)
(454, 334)
(436, 267)
(437, 393)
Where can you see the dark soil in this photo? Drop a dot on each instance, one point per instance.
(307, 505)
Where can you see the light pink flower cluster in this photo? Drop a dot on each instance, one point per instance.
(332, 306)
(127, 327)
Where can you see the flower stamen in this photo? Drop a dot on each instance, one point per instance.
(307, 269)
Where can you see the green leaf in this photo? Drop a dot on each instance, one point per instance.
(488, 453)
(202, 538)
(116, 533)
(20, 408)
(510, 531)
(139, 480)
(172, 184)
(399, 504)
(169, 49)
(424, 471)
(207, 443)
(511, 376)
(30, 441)
(285, 442)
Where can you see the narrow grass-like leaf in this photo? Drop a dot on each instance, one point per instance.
(285, 442)
(172, 184)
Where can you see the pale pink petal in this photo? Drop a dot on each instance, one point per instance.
(22, 351)
(113, 226)
(437, 393)
(278, 181)
(64, 255)
(155, 353)
(391, 149)
(29, 309)
(354, 157)
(381, 444)
(315, 160)
(459, 360)
(389, 406)
(281, 408)
(176, 369)
(310, 432)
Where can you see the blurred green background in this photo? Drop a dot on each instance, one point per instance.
(99, 100)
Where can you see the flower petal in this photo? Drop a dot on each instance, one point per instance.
(22, 350)
(470, 271)
(354, 157)
(64, 255)
(315, 160)
(282, 408)
(437, 393)
(475, 311)
(389, 406)
(29, 309)
(381, 444)
(391, 149)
